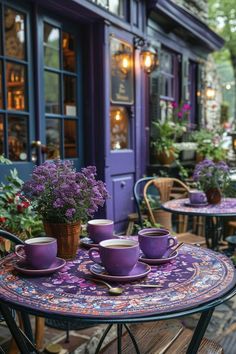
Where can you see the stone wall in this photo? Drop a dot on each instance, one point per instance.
(198, 8)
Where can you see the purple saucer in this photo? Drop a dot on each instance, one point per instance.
(155, 261)
(139, 271)
(23, 268)
(88, 243)
(197, 205)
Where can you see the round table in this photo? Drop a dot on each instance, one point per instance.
(197, 280)
(214, 214)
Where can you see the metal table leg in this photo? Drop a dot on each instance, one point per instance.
(119, 338)
(200, 331)
(22, 341)
(213, 232)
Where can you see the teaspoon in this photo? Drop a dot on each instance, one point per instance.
(112, 290)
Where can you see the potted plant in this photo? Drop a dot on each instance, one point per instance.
(16, 213)
(64, 199)
(213, 178)
(166, 133)
(209, 145)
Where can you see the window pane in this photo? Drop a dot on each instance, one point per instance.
(53, 138)
(114, 6)
(70, 129)
(52, 92)
(68, 47)
(14, 23)
(15, 77)
(17, 138)
(1, 92)
(119, 128)
(51, 46)
(69, 96)
(103, 3)
(1, 135)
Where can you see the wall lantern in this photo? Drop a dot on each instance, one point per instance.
(148, 55)
(148, 58)
(210, 93)
(233, 135)
(123, 59)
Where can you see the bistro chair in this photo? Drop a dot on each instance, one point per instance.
(139, 216)
(23, 317)
(170, 188)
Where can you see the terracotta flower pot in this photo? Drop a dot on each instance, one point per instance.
(166, 158)
(67, 236)
(213, 195)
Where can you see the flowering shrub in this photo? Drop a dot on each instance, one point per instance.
(167, 132)
(62, 195)
(16, 213)
(209, 174)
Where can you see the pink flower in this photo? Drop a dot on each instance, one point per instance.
(186, 107)
(174, 104)
(180, 114)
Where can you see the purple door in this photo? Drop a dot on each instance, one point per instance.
(120, 142)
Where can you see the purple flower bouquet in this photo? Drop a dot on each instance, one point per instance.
(60, 194)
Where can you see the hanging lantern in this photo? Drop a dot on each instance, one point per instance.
(149, 59)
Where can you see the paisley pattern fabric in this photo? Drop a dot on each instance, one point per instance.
(226, 207)
(195, 277)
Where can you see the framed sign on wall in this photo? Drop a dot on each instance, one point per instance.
(122, 77)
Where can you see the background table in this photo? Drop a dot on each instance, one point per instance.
(196, 281)
(214, 215)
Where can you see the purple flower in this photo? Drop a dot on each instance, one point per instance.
(174, 104)
(61, 194)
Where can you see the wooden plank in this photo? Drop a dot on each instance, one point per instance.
(163, 337)
(150, 337)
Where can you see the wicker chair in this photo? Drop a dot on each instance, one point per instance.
(170, 188)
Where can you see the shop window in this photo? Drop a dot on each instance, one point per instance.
(17, 138)
(1, 135)
(60, 82)
(119, 123)
(169, 71)
(14, 66)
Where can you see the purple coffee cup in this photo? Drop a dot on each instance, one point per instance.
(100, 230)
(117, 256)
(155, 242)
(197, 197)
(39, 252)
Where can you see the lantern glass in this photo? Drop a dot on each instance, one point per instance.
(148, 59)
(210, 93)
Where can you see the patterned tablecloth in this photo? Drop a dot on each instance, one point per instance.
(227, 207)
(195, 277)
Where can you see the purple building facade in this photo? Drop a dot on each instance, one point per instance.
(72, 85)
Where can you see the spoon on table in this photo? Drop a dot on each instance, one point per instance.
(112, 290)
(174, 249)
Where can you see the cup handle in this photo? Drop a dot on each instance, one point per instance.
(91, 251)
(17, 248)
(171, 244)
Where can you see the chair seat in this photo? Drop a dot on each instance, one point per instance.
(169, 337)
(188, 237)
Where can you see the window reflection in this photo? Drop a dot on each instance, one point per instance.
(51, 46)
(70, 129)
(119, 124)
(68, 47)
(52, 92)
(15, 77)
(1, 92)
(14, 25)
(17, 138)
(69, 95)
(53, 138)
(1, 135)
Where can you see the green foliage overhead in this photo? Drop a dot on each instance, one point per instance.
(222, 19)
